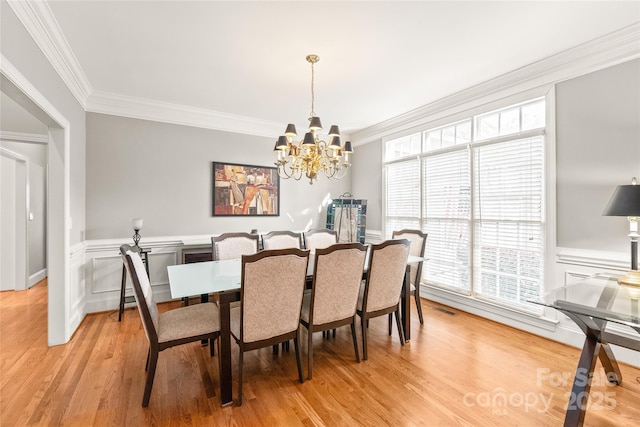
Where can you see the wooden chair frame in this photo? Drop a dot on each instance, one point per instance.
(155, 347)
(415, 280)
(295, 235)
(272, 341)
(364, 314)
(225, 236)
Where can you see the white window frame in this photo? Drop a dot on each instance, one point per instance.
(472, 302)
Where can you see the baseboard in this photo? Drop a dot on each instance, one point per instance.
(37, 277)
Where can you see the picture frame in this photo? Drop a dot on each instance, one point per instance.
(244, 190)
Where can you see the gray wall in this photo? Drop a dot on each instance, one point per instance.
(23, 53)
(598, 148)
(162, 172)
(36, 229)
(367, 181)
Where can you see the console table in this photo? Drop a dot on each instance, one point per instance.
(592, 303)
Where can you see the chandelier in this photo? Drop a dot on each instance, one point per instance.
(312, 155)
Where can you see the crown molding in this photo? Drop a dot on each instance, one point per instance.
(37, 18)
(34, 138)
(614, 48)
(139, 108)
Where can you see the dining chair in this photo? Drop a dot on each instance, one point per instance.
(380, 294)
(314, 239)
(321, 238)
(331, 302)
(174, 327)
(281, 240)
(233, 245)
(271, 289)
(418, 241)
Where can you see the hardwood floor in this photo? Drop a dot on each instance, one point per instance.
(457, 370)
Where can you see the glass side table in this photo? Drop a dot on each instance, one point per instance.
(592, 303)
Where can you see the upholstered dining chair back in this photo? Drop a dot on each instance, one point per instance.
(233, 245)
(281, 240)
(141, 291)
(418, 241)
(271, 293)
(336, 282)
(387, 265)
(333, 298)
(271, 289)
(315, 239)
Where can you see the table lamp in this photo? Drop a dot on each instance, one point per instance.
(626, 202)
(137, 226)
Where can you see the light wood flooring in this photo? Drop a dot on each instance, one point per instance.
(458, 370)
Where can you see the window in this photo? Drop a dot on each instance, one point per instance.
(476, 187)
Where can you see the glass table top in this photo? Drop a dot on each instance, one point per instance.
(599, 297)
(198, 278)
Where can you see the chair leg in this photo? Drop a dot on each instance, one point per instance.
(334, 332)
(275, 349)
(400, 332)
(153, 361)
(212, 350)
(364, 323)
(390, 322)
(298, 359)
(416, 296)
(310, 351)
(355, 340)
(240, 369)
(146, 366)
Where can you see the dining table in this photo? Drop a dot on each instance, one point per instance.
(222, 279)
(594, 304)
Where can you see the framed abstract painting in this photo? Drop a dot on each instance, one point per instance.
(245, 190)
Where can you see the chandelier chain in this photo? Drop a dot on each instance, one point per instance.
(313, 111)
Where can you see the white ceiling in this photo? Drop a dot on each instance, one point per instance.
(378, 59)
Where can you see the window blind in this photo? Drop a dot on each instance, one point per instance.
(447, 218)
(508, 225)
(402, 192)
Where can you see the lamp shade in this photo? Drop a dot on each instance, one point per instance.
(291, 130)
(315, 123)
(281, 143)
(335, 143)
(137, 223)
(308, 139)
(624, 202)
(334, 131)
(348, 148)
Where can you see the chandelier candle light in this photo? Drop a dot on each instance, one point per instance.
(312, 155)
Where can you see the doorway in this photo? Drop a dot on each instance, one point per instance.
(18, 88)
(14, 199)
